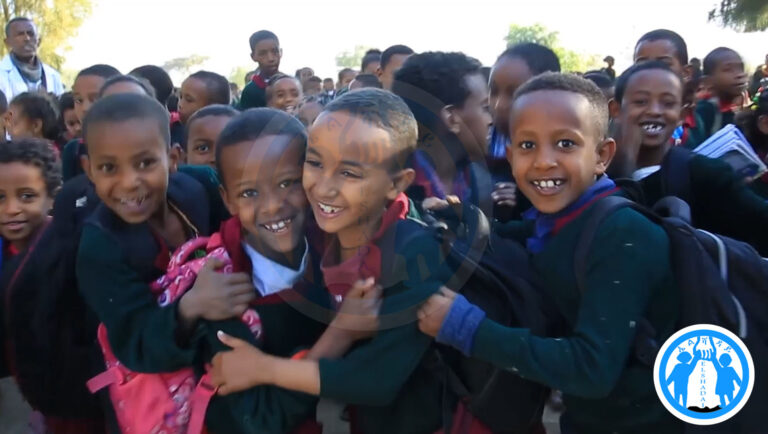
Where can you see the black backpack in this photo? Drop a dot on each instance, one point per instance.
(494, 274)
(723, 282)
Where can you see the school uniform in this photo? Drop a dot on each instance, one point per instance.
(720, 201)
(254, 93)
(710, 116)
(116, 263)
(388, 381)
(605, 388)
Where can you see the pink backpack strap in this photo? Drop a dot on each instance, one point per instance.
(111, 376)
(183, 253)
(202, 395)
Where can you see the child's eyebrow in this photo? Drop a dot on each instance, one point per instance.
(353, 163)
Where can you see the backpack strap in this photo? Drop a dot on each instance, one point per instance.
(675, 173)
(201, 396)
(645, 346)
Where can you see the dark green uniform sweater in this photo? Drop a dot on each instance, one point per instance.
(389, 380)
(606, 390)
(720, 202)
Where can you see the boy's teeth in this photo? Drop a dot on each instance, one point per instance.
(277, 226)
(136, 201)
(652, 127)
(328, 209)
(548, 183)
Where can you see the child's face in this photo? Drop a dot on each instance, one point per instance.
(328, 85)
(312, 88)
(267, 54)
(201, 143)
(652, 105)
(387, 74)
(475, 117)
(72, 123)
(24, 201)
(308, 112)
(556, 151)
(507, 75)
(262, 187)
(20, 126)
(193, 97)
(662, 50)
(348, 177)
(729, 79)
(346, 79)
(85, 91)
(286, 95)
(129, 163)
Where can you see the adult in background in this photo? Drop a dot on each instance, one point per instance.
(21, 70)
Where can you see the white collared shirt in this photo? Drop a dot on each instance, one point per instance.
(645, 172)
(270, 277)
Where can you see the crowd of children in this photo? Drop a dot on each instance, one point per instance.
(313, 208)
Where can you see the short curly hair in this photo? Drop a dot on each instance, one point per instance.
(571, 83)
(38, 153)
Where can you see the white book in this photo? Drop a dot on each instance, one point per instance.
(730, 145)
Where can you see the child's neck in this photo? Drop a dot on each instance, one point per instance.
(291, 260)
(352, 239)
(652, 155)
(168, 225)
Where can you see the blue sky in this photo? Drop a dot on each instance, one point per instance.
(127, 34)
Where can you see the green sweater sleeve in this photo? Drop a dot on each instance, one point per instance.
(724, 204)
(141, 333)
(628, 258)
(374, 372)
(252, 97)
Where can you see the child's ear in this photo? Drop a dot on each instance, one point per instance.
(614, 108)
(253, 57)
(223, 194)
(606, 150)
(400, 182)
(379, 72)
(174, 156)
(37, 127)
(451, 119)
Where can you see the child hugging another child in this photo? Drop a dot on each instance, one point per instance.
(559, 152)
(354, 178)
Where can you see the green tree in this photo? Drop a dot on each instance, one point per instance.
(742, 15)
(351, 59)
(57, 22)
(570, 60)
(237, 75)
(183, 65)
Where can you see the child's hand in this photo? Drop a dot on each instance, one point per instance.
(217, 296)
(505, 194)
(437, 204)
(433, 312)
(243, 367)
(358, 315)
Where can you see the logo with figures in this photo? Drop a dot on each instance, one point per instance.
(704, 374)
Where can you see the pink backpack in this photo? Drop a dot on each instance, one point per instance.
(172, 402)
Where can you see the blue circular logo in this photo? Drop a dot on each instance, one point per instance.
(704, 374)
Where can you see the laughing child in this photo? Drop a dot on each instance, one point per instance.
(559, 153)
(354, 178)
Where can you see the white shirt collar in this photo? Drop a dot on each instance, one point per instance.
(270, 277)
(645, 172)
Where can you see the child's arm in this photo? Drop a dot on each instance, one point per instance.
(630, 257)
(723, 203)
(374, 372)
(143, 335)
(246, 366)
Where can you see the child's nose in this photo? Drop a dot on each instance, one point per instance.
(544, 159)
(11, 207)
